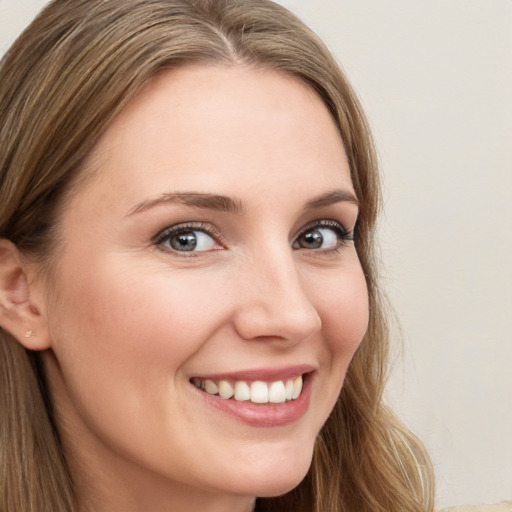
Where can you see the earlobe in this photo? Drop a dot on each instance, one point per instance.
(19, 315)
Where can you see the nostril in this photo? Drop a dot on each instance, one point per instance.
(272, 303)
(281, 322)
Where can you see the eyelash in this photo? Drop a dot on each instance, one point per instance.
(168, 233)
(344, 235)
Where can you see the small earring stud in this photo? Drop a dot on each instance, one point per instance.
(28, 334)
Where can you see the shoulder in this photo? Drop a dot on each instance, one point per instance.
(504, 506)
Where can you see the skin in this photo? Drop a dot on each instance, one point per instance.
(129, 321)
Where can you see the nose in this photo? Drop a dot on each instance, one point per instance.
(273, 303)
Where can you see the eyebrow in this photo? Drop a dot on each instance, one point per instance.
(332, 197)
(197, 199)
(234, 206)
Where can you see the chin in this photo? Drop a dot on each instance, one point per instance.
(271, 485)
(268, 478)
(279, 486)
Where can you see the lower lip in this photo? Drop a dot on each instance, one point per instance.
(264, 415)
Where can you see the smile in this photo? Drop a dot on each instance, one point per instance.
(264, 397)
(257, 392)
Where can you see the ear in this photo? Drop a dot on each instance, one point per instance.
(19, 313)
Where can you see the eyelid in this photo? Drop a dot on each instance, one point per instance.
(325, 223)
(345, 235)
(207, 228)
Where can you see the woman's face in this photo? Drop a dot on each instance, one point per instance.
(210, 251)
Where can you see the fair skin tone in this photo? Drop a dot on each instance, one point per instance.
(258, 279)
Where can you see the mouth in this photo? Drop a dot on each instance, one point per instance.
(262, 398)
(257, 391)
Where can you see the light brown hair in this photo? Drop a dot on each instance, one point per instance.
(61, 84)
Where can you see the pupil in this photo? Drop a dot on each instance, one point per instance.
(185, 242)
(313, 239)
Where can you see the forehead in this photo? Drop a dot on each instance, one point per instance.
(218, 127)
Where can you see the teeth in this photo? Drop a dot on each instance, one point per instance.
(289, 389)
(211, 387)
(225, 389)
(242, 391)
(257, 392)
(297, 387)
(277, 392)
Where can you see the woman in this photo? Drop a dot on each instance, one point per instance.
(190, 310)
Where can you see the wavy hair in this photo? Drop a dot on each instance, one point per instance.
(61, 84)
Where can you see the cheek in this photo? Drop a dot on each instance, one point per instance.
(124, 314)
(121, 336)
(345, 313)
(128, 330)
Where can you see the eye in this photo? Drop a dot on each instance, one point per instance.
(323, 235)
(188, 238)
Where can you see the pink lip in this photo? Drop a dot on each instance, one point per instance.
(263, 374)
(264, 415)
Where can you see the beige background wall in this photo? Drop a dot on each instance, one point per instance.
(436, 80)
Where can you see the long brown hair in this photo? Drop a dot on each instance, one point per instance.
(61, 84)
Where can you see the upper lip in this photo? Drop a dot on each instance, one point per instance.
(263, 374)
